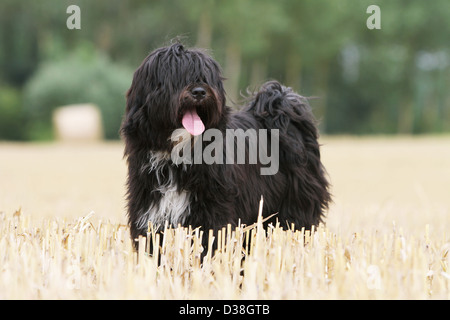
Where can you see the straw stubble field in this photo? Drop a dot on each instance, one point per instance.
(63, 232)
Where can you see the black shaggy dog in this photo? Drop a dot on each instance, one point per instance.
(179, 88)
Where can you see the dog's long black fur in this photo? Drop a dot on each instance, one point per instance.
(211, 196)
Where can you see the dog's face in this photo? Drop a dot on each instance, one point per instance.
(173, 88)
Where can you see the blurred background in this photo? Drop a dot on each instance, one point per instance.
(389, 81)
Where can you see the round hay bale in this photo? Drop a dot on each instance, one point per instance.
(79, 122)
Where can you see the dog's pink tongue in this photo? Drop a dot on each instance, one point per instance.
(192, 123)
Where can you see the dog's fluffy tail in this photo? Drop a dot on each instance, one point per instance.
(278, 107)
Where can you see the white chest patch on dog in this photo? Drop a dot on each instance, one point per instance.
(174, 203)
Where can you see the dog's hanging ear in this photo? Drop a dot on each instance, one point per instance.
(130, 122)
(133, 112)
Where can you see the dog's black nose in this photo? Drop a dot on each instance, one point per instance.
(198, 93)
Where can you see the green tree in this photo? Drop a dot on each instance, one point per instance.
(83, 77)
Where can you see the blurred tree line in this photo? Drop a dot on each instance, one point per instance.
(392, 80)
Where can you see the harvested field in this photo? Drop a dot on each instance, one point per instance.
(63, 232)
